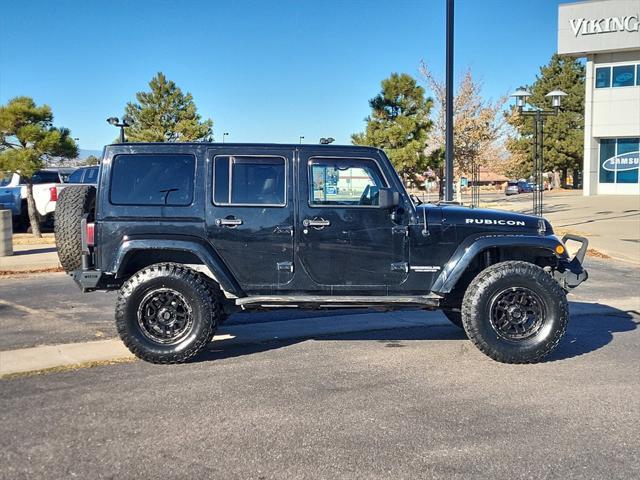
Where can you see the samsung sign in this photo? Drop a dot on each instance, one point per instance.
(583, 26)
(622, 162)
(599, 26)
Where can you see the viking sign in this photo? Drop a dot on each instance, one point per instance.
(622, 162)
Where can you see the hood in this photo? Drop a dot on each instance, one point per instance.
(485, 220)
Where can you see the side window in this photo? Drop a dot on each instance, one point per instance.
(247, 180)
(76, 177)
(603, 77)
(344, 182)
(624, 76)
(139, 179)
(91, 175)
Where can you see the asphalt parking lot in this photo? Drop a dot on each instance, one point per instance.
(415, 402)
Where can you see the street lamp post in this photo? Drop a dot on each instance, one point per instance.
(116, 123)
(538, 115)
(225, 134)
(301, 138)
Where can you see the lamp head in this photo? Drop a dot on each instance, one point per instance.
(556, 97)
(521, 96)
(327, 141)
(112, 120)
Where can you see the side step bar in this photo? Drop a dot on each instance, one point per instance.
(337, 300)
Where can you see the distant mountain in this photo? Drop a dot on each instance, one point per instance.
(82, 154)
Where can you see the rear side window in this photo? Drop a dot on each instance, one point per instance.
(249, 180)
(152, 179)
(76, 177)
(91, 175)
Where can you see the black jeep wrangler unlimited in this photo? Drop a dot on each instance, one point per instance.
(189, 233)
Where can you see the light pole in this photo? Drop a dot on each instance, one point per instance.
(225, 134)
(538, 115)
(301, 138)
(448, 151)
(116, 123)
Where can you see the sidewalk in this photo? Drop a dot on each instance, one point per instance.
(611, 223)
(39, 257)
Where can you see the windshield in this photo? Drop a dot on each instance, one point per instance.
(4, 182)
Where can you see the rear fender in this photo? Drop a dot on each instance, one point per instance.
(472, 246)
(206, 254)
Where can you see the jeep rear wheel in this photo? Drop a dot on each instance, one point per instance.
(74, 202)
(165, 313)
(515, 312)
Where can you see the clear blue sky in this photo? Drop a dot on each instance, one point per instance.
(262, 70)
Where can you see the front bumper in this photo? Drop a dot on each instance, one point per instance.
(570, 273)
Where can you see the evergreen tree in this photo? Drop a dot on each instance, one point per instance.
(27, 138)
(399, 123)
(165, 114)
(564, 133)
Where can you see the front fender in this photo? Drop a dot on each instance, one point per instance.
(205, 253)
(475, 244)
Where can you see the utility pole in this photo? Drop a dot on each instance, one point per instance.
(448, 165)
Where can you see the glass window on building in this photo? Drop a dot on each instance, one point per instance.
(624, 76)
(619, 160)
(638, 74)
(603, 77)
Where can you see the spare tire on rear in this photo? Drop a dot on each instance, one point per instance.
(74, 202)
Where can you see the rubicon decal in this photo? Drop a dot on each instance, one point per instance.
(489, 221)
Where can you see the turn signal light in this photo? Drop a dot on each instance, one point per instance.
(559, 249)
(53, 194)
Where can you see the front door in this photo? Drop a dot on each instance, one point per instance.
(345, 239)
(250, 214)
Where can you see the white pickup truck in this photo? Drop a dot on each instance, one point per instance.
(47, 184)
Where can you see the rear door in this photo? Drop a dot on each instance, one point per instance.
(250, 214)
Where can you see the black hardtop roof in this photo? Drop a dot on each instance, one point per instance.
(253, 145)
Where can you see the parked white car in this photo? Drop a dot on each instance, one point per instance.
(47, 184)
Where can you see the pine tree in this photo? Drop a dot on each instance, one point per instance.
(399, 123)
(165, 114)
(27, 138)
(564, 133)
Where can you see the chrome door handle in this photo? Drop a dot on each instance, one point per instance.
(319, 222)
(228, 222)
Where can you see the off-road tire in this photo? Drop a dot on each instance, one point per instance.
(73, 203)
(488, 285)
(195, 291)
(454, 317)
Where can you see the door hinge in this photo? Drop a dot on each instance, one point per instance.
(400, 267)
(400, 230)
(284, 267)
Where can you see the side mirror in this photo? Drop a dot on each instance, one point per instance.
(388, 198)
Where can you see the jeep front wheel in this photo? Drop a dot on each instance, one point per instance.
(515, 312)
(165, 313)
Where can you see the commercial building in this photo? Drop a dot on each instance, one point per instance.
(607, 34)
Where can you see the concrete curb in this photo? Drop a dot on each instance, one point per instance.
(75, 354)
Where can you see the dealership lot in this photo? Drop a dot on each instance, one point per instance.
(390, 403)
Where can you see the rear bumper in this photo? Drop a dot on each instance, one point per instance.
(91, 280)
(570, 273)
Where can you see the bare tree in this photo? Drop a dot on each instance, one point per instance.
(478, 123)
